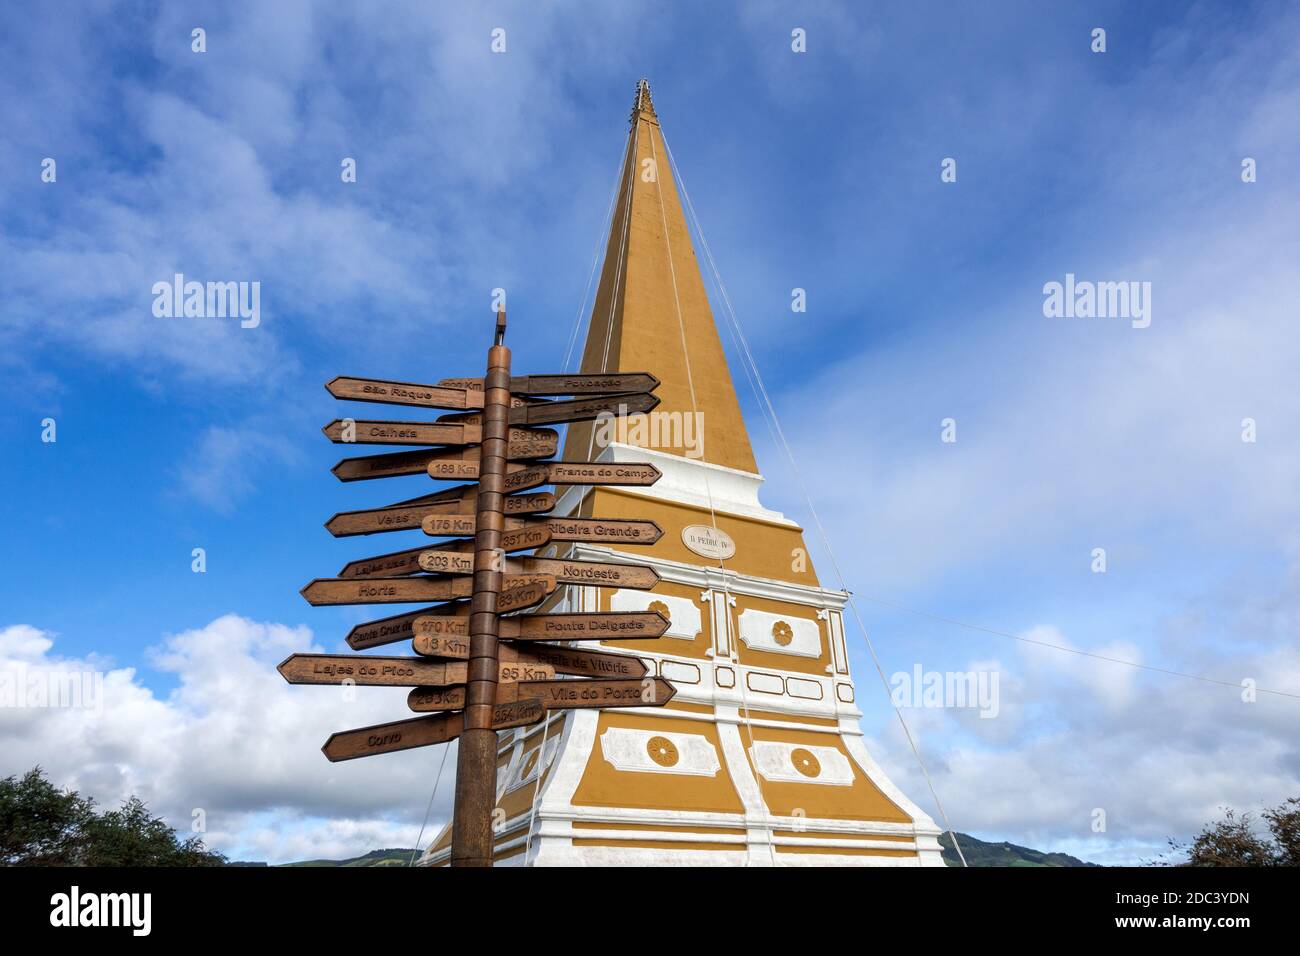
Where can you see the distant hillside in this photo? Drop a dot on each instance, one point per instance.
(395, 857)
(979, 853)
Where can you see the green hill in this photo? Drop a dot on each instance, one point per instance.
(979, 853)
(394, 857)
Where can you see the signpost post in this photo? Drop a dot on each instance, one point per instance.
(478, 672)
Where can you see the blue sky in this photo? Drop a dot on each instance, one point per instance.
(817, 170)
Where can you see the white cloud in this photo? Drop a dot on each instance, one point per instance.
(232, 739)
(1161, 755)
(221, 470)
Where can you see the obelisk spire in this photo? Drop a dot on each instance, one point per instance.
(643, 102)
(651, 312)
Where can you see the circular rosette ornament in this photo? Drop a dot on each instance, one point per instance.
(662, 751)
(805, 762)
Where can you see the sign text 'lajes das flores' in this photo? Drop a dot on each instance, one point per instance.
(485, 567)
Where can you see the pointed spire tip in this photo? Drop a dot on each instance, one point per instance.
(643, 103)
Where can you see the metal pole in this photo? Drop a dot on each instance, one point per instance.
(476, 761)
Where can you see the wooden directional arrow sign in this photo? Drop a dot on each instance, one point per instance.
(424, 731)
(599, 473)
(569, 694)
(569, 660)
(464, 497)
(448, 635)
(390, 465)
(525, 595)
(569, 571)
(464, 463)
(582, 409)
(375, 671)
(379, 520)
(385, 590)
(527, 478)
(563, 660)
(598, 383)
(517, 713)
(459, 463)
(517, 539)
(447, 562)
(446, 526)
(433, 643)
(397, 564)
(400, 627)
(394, 736)
(394, 590)
(523, 539)
(512, 539)
(605, 530)
(602, 626)
(457, 557)
(409, 515)
(365, 670)
(347, 431)
(403, 393)
(437, 698)
(522, 591)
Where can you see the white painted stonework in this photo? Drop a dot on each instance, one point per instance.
(629, 749)
(779, 762)
(760, 631)
(683, 615)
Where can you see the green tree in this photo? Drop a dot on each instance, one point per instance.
(41, 825)
(1284, 822)
(1236, 841)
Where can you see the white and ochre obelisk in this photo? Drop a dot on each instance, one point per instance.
(759, 758)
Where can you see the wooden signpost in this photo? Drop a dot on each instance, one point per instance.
(477, 672)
